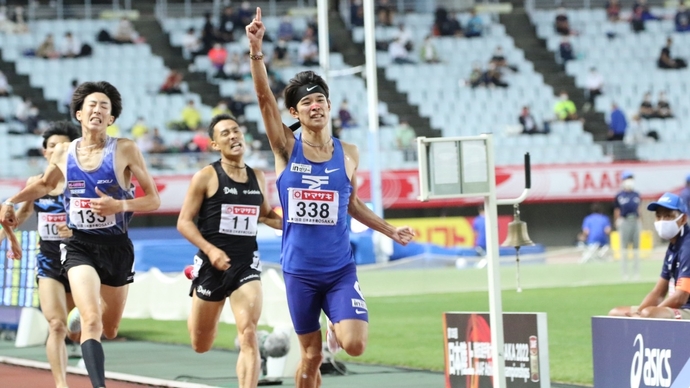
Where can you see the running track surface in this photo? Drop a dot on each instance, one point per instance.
(24, 377)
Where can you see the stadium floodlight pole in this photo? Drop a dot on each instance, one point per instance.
(373, 102)
(324, 44)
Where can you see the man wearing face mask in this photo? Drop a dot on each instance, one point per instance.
(626, 213)
(671, 225)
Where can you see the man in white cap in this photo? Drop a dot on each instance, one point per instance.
(671, 225)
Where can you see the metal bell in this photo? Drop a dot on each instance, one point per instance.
(517, 231)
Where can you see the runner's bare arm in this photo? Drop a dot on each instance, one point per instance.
(137, 165)
(279, 135)
(37, 189)
(267, 215)
(190, 209)
(25, 210)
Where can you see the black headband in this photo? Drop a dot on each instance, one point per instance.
(306, 90)
(302, 92)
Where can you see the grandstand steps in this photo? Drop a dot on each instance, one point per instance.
(353, 55)
(22, 87)
(524, 33)
(159, 40)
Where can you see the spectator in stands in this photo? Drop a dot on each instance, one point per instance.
(191, 117)
(638, 133)
(476, 76)
(428, 53)
(308, 52)
(493, 77)
(637, 20)
(646, 110)
(226, 26)
(281, 57)
(71, 47)
(231, 69)
(682, 18)
(244, 16)
(499, 60)
(596, 229)
(617, 124)
(47, 48)
(564, 108)
(218, 55)
(645, 12)
(18, 19)
(565, 50)
(125, 33)
(67, 99)
(201, 139)
(595, 86)
(666, 61)
(244, 95)
(562, 24)
(27, 114)
(356, 13)
(172, 83)
(346, 119)
(286, 31)
(405, 138)
(4, 85)
(398, 53)
(528, 123)
(276, 84)
(139, 128)
(475, 26)
(613, 10)
(192, 44)
(208, 33)
(445, 24)
(404, 36)
(221, 108)
(384, 12)
(663, 108)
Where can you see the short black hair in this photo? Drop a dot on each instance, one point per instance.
(597, 208)
(61, 128)
(217, 119)
(88, 88)
(300, 79)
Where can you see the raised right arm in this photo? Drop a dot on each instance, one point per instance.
(279, 135)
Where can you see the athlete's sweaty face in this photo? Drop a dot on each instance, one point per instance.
(313, 111)
(228, 138)
(51, 143)
(95, 112)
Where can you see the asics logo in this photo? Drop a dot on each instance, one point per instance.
(314, 182)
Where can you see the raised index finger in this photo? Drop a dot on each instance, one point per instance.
(258, 14)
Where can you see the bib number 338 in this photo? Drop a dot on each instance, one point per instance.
(82, 217)
(313, 207)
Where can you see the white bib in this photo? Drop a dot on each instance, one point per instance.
(239, 220)
(312, 207)
(82, 217)
(48, 225)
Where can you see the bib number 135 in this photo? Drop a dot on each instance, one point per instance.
(83, 217)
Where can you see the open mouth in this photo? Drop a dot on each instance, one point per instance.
(236, 146)
(95, 120)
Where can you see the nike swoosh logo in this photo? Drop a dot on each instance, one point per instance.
(327, 171)
(312, 88)
(360, 311)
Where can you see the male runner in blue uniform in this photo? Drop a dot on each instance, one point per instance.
(228, 198)
(662, 301)
(53, 288)
(317, 185)
(99, 202)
